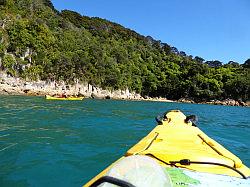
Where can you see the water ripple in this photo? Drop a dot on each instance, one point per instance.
(52, 143)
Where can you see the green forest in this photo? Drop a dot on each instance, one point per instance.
(37, 42)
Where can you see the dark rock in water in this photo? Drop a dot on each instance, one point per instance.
(93, 96)
(80, 95)
(107, 97)
(26, 90)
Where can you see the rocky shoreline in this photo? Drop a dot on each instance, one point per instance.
(17, 86)
(226, 102)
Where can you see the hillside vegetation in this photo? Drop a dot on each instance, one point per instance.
(39, 43)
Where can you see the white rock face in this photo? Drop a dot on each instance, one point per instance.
(11, 85)
(17, 86)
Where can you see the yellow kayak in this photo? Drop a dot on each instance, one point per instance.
(63, 98)
(179, 147)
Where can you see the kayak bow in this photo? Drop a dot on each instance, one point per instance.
(177, 144)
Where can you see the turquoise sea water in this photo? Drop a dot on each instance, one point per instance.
(66, 143)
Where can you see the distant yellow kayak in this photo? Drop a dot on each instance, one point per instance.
(175, 153)
(63, 98)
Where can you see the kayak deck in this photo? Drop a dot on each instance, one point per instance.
(176, 140)
(170, 143)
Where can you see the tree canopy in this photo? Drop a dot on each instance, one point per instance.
(38, 42)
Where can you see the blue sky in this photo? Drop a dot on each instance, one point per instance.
(211, 29)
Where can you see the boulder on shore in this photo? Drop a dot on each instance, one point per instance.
(228, 102)
(185, 100)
